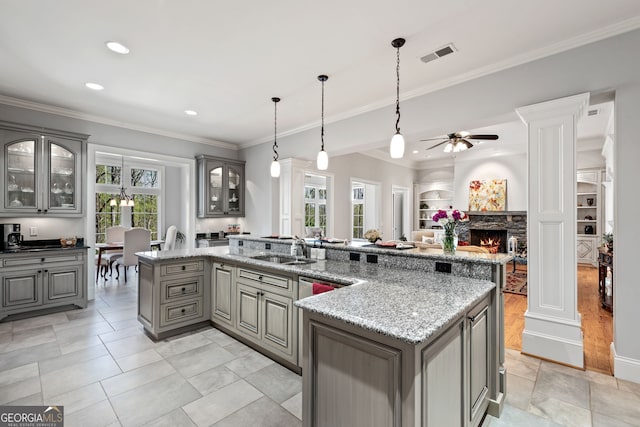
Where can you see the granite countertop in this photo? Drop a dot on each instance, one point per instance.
(410, 306)
(404, 304)
(432, 253)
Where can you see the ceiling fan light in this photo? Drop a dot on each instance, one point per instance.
(448, 148)
(275, 169)
(322, 162)
(396, 149)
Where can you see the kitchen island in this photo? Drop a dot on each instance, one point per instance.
(403, 345)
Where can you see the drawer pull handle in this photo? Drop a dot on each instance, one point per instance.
(46, 271)
(39, 271)
(41, 259)
(184, 267)
(260, 278)
(473, 318)
(183, 310)
(184, 290)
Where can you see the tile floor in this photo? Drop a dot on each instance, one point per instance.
(99, 364)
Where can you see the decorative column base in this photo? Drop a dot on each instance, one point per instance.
(559, 340)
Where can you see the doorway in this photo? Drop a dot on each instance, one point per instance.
(400, 212)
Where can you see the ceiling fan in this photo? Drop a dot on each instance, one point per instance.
(459, 141)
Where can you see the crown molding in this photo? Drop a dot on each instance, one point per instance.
(66, 112)
(530, 56)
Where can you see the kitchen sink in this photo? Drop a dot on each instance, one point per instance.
(281, 259)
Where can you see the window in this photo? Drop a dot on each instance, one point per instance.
(142, 183)
(357, 202)
(364, 207)
(315, 205)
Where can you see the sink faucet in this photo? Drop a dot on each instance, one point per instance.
(302, 244)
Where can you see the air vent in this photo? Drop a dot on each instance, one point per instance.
(593, 112)
(439, 53)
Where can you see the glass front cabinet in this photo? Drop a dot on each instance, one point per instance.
(41, 171)
(221, 185)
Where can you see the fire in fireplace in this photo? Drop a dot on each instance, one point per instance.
(494, 240)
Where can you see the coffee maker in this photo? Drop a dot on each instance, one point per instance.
(11, 237)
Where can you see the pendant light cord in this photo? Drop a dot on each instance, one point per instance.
(275, 129)
(398, 90)
(322, 121)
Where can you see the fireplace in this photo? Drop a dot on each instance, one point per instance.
(494, 240)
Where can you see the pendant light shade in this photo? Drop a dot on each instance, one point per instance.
(275, 169)
(322, 162)
(275, 166)
(396, 148)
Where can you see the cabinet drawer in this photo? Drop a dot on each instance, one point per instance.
(262, 280)
(182, 288)
(182, 267)
(39, 259)
(180, 312)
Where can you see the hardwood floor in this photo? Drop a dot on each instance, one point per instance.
(597, 323)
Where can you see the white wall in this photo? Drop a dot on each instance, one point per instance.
(512, 168)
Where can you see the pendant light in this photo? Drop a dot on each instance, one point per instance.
(396, 149)
(275, 166)
(322, 162)
(125, 199)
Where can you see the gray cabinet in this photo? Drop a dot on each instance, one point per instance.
(478, 368)
(354, 376)
(41, 172)
(267, 318)
(221, 187)
(173, 295)
(256, 306)
(222, 294)
(37, 281)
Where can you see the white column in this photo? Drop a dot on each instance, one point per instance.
(552, 323)
(292, 196)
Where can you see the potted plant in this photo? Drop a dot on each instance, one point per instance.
(607, 238)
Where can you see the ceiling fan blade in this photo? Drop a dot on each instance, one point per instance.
(434, 139)
(437, 145)
(486, 137)
(465, 142)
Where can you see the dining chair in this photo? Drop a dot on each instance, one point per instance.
(113, 234)
(170, 238)
(135, 240)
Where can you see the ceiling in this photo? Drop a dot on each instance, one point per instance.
(226, 59)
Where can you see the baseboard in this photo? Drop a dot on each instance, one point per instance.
(625, 368)
(567, 352)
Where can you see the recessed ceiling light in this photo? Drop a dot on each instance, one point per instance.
(117, 48)
(94, 86)
(191, 112)
(415, 151)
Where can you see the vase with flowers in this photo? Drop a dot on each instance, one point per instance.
(373, 235)
(449, 221)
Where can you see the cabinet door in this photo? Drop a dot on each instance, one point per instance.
(216, 180)
(63, 184)
(442, 380)
(478, 345)
(222, 294)
(21, 289)
(235, 190)
(586, 250)
(248, 311)
(20, 177)
(62, 283)
(277, 322)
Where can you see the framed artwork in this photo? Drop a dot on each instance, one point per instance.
(488, 195)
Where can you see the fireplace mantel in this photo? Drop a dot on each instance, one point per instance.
(496, 213)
